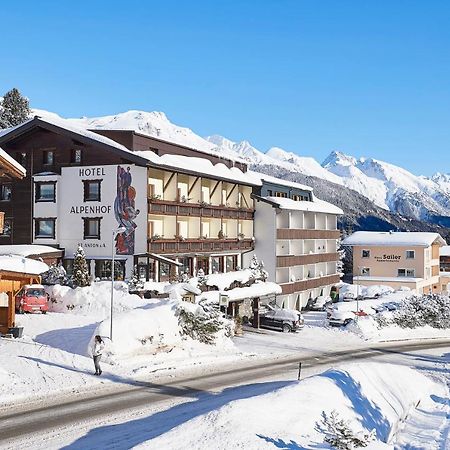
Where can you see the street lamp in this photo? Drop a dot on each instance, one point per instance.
(113, 254)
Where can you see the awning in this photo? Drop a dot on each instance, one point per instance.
(160, 259)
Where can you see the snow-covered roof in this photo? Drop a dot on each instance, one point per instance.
(200, 166)
(10, 160)
(393, 239)
(19, 264)
(275, 180)
(445, 250)
(55, 120)
(258, 289)
(316, 205)
(27, 249)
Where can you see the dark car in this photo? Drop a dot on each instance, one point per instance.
(282, 319)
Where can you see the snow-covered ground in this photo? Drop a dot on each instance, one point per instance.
(53, 359)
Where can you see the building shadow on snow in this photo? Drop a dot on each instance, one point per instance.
(371, 415)
(134, 432)
(73, 340)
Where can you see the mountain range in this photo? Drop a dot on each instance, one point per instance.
(374, 194)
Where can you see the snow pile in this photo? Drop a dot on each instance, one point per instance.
(92, 299)
(371, 396)
(161, 326)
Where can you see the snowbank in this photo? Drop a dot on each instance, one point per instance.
(155, 328)
(368, 395)
(94, 299)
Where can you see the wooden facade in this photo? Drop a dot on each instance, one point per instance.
(10, 283)
(28, 146)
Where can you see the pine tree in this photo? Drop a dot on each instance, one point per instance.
(14, 109)
(80, 269)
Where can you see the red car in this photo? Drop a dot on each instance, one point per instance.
(32, 298)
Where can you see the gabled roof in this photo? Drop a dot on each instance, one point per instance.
(11, 166)
(394, 239)
(19, 264)
(58, 125)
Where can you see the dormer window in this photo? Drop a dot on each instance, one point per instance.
(48, 157)
(76, 156)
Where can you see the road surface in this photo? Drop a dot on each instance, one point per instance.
(16, 426)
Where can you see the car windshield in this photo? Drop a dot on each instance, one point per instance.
(35, 292)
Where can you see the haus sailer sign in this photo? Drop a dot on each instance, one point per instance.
(388, 258)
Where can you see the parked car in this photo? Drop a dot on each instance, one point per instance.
(32, 298)
(320, 303)
(340, 318)
(286, 320)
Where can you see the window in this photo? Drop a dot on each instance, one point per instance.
(92, 192)
(365, 271)
(365, 254)
(269, 192)
(103, 269)
(230, 263)
(47, 157)
(5, 192)
(21, 158)
(76, 156)
(280, 194)
(91, 228)
(46, 192)
(7, 228)
(45, 228)
(216, 264)
(410, 254)
(410, 273)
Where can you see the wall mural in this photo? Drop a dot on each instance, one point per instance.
(125, 212)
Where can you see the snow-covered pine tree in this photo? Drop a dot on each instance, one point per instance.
(55, 275)
(14, 109)
(80, 269)
(135, 282)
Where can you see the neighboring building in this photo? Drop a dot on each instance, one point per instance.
(296, 237)
(397, 259)
(10, 170)
(182, 209)
(445, 268)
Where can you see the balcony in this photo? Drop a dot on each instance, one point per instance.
(198, 210)
(199, 245)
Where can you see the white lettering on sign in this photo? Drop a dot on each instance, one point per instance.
(90, 209)
(92, 172)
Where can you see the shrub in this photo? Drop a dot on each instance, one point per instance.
(339, 434)
(418, 311)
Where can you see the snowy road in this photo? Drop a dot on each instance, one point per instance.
(96, 422)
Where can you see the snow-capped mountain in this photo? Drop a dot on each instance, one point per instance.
(386, 185)
(392, 187)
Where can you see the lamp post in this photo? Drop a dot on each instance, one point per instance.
(113, 254)
(357, 293)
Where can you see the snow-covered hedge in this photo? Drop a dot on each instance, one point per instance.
(418, 311)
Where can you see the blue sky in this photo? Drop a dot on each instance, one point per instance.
(370, 78)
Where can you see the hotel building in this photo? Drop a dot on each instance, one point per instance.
(296, 237)
(182, 209)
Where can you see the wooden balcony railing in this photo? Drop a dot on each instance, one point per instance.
(199, 245)
(198, 210)
(292, 260)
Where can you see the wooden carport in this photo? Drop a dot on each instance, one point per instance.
(10, 283)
